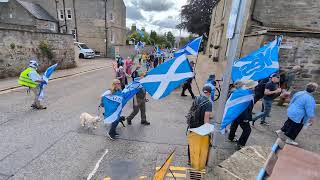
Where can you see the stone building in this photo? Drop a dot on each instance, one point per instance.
(93, 22)
(18, 14)
(298, 21)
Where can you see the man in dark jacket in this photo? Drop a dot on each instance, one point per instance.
(187, 85)
(243, 120)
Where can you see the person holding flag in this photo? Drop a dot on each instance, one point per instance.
(139, 103)
(110, 98)
(31, 79)
(241, 100)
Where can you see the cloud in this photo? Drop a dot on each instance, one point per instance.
(134, 13)
(151, 5)
(166, 23)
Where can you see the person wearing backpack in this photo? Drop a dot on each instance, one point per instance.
(200, 111)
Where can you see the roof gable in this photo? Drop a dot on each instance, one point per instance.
(37, 11)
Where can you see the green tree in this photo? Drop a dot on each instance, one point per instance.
(133, 28)
(153, 37)
(170, 38)
(196, 16)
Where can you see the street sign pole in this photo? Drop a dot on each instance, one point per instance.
(236, 28)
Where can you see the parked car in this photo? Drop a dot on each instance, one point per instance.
(84, 50)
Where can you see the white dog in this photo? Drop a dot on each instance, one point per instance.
(86, 118)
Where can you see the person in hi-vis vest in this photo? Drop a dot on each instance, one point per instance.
(30, 78)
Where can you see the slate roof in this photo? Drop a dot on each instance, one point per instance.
(37, 11)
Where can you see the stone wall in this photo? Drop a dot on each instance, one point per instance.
(17, 47)
(296, 50)
(293, 13)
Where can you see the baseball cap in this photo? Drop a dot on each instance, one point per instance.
(207, 89)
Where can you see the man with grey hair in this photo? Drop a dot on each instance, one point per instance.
(301, 112)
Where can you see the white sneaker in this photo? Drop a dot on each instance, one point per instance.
(292, 142)
(281, 135)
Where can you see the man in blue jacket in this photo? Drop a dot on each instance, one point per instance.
(301, 112)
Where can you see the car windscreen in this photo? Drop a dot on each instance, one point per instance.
(83, 46)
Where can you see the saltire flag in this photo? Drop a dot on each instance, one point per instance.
(159, 52)
(259, 64)
(162, 80)
(141, 33)
(46, 77)
(238, 101)
(191, 48)
(114, 103)
(139, 45)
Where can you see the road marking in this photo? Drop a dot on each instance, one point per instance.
(97, 166)
(107, 178)
(143, 177)
(175, 168)
(177, 175)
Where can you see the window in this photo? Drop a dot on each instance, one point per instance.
(112, 38)
(74, 33)
(52, 26)
(61, 14)
(111, 17)
(69, 14)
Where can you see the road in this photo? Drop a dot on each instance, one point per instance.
(50, 144)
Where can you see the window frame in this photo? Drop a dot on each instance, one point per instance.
(61, 13)
(67, 14)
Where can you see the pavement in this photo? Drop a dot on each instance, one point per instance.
(50, 144)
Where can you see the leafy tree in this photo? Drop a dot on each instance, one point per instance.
(196, 16)
(170, 38)
(133, 28)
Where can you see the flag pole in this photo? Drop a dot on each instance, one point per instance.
(194, 70)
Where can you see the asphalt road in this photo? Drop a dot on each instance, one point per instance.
(50, 144)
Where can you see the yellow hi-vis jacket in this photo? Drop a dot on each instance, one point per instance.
(24, 79)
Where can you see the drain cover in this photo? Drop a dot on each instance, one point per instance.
(194, 175)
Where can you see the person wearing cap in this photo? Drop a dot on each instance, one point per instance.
(202, 115)
(272, 90)
(187, 84)
(301, 112)
(31, 79)
(139, 103)
(244, 118)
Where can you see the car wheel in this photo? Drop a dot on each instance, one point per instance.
(81, 56)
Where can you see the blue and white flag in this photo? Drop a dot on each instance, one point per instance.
(258, 64)
(159, 52)
(192, 48)
(238, 101)
(139, 45)
(162, 80)
(141, 33)
(114, 103)
(46, 77)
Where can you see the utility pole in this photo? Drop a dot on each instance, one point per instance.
(75, 20)
(105, 24)
(236, 33)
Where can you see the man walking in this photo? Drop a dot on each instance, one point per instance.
(200, 111)
(270, 92)
(301, 112)
(139, 103)
(187, 85)
(243, 119)
(31, 79)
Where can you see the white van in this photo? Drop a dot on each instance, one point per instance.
(84, 50)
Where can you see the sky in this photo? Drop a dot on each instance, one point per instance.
(159, 15)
